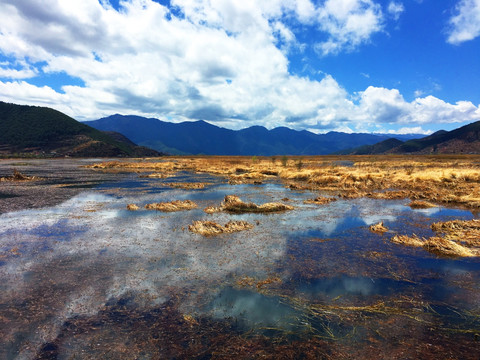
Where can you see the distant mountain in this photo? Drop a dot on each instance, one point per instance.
(33, 129)
(200, 137)
(464, 140)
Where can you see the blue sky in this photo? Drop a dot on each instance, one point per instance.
(394, 66)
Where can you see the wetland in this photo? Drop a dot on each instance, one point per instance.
(308, 258)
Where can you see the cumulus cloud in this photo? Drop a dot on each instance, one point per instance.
(395, 9)
(465, 24)
(388, 106)
(217, 60)
(348, 24)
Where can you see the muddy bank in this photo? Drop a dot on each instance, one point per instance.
(55, 180)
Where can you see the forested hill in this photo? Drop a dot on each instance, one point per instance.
(42, 130)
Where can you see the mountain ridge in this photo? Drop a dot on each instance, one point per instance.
(200, 137)
(463, 140)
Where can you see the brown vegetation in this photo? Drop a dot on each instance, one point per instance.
(132, 207)
(18, 176)
(234, 204)
(420, 204)
(210, 228)
(176, 205)
(454, 238)
(320, 200)
(440, 179)
(378, 228)
(186, 185)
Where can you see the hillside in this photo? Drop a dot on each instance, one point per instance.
(464, 140)
(41, 130)
(200, 137)
(379, 148)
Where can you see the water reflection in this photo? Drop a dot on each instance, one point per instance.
(84, 261)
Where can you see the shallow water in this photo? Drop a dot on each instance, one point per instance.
(90, 279)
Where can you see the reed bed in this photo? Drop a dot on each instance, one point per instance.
(172, 206)
(211, 228)
(454, 238)
(446, 180)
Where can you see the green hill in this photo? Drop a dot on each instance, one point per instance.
(41, 130)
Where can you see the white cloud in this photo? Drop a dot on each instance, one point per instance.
(465, 25)
(395, 9)
(220, 62)
(348, 24)
(409, 130)
(388, 106)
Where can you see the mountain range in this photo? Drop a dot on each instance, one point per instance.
(40, 130)
(44, 131)
(464, 140)
(200, 137)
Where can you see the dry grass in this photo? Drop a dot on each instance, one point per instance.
(18, 176)
(464, 231)
(454, 238)
(132, 207)
(441, 179)
(234, 204)
(248, 281)
(176, 205)
(421, 204)
(320, 200)
(187, 185)
(210, 228)
(414, 240)
(378, 228)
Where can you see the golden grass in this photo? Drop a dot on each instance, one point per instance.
(320, 200)
(378, 228)
(176, 205)
(234, 204)
(132, 207)
(441, 179)
(421, 204)
(187, 185)
(454, 238)
(464, 231)
(18, 176)
(210, 228)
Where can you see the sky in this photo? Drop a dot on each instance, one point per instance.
(388, 66)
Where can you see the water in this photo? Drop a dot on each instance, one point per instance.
(90, 279)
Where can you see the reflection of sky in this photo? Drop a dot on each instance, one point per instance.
(151, 254)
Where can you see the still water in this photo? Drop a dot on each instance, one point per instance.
(89, 279)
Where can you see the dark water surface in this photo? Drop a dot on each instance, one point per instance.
(88, 279)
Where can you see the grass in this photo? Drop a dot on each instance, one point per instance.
(443, 179)
(176, 205)
(18, 176)
(233, 204)
(458, 238)
(211, 228)
(378, 228)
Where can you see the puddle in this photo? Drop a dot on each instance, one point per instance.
(73, 274)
